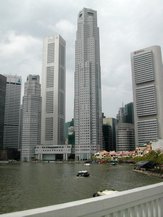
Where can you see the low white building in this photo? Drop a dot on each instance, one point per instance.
(158, 145)
(52, 152)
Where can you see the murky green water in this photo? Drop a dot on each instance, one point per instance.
(31, 185)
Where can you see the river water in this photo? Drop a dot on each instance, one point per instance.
(31, 185)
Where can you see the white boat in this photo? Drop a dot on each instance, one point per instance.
(87, 164)
(104, 192)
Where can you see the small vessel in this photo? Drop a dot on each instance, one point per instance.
(83, 173)
(104, 192)
(87, 164)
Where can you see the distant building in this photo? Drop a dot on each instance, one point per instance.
(20, 127)
(147, 76)
(125, 137)
(53, 91)
(126, 114)
(31, 117)
(109, 134)
(2, 107)
(87, 102)
(129, 113)
(121, 115)
(12, 108)
(125, 133)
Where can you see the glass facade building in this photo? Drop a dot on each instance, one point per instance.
(12, 109)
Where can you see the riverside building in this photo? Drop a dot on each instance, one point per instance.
(87, 101)
(147, 76)
(12, 108)
(53, 98)
(31, 117)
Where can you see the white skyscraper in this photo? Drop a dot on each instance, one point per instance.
(31, 117)
(87, 105)
(12, 107)
(147, 73)
(53, 91)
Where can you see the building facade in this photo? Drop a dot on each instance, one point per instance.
(31, 117)
(12, 108)
(125, 133)
(109, 134)
(87, 101)
(53, 91)
(2, 107)
(125, 137)
(147, 74)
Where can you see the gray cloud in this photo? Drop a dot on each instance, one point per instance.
(125, 26)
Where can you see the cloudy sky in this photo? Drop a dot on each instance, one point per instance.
(125, 26)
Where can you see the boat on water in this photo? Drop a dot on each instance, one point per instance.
(83, 173)
(87, 164)
(104, 192)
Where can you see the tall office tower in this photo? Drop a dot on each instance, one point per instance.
(87, 102)
(2, 107)
(12, 108)
(53, 91)
(147, 74)
(31, 117)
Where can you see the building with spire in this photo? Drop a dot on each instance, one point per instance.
(87, 101)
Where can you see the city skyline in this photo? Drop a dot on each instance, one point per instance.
(124, 27)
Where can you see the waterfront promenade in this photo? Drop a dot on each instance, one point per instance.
(144, 201)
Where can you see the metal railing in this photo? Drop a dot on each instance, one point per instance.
(144, 201)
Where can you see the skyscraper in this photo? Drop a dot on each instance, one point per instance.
(87, 102)
(12, 107)
(31, 116)
(53, 91)
(147, 74)
(2, 107)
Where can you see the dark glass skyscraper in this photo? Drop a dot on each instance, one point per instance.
(12, 109)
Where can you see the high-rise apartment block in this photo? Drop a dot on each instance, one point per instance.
(87, 102)
(53, 91)
(147, 74)
(31, 117)
(12, 108)
(2, 107)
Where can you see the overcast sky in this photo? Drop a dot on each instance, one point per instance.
(125, 26)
